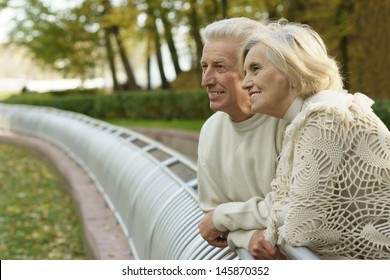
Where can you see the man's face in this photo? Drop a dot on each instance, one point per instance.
(222, 79)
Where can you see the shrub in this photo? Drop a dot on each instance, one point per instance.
(147, 105)
(382, 109)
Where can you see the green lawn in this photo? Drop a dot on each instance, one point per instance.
(5, 95)
(37, 217)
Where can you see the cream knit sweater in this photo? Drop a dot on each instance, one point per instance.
(332, 191)
(236, 165)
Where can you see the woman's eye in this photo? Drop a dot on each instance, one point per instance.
(255, 68)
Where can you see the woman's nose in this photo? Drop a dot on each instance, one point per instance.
(246, 83)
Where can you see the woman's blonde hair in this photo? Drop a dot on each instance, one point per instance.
(300, 53)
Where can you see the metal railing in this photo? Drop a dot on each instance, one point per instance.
(151, 189)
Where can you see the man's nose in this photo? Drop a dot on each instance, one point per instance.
(208, 78)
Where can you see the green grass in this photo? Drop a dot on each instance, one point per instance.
(191, 125)
(37, 217)
(5, 95)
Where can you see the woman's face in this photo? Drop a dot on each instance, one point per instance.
(268, 87)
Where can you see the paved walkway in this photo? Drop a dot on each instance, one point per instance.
(104, 239)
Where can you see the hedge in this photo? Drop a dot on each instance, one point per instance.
(382, 109)
(143, 105)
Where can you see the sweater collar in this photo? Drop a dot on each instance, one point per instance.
(329, 97)
(250, 123)
(294, 109)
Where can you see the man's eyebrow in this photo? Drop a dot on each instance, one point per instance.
(219, 60)
(225, 62)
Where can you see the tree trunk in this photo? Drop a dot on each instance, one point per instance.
(345, 8)
(110, 57)
(131, 84)
(170, 42)
(224, 8)
(109, 48)
(344, 61)
(195, 28)
(148, 65)
(157, 43)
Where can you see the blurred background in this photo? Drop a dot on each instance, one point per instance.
(136, 64)
(148, 44)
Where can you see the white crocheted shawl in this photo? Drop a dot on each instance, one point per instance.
(332, 189)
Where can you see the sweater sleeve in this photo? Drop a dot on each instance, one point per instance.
(248, 215)
(240, 239)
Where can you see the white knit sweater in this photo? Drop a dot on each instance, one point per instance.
(332, 191)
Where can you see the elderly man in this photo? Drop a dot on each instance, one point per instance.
(237, 150)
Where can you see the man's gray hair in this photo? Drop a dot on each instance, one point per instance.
(239, 28)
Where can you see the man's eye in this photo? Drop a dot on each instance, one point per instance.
(220, 67)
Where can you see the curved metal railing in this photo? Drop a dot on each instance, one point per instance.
(151, 189)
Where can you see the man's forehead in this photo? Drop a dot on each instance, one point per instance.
(215, 52)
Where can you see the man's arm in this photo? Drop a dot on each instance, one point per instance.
(247, 215)
(260, 248)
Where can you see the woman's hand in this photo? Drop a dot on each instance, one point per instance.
(262, 249)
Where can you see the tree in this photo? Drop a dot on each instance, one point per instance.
(331, 19)
(80, 39)
(66, 41)
(164, 12)
(113, 20)
(368, 48)
(152, 25)
(131, 84)
(109, 47)
(195, 32)
(3, 4)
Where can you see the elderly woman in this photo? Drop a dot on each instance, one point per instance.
(332, 188)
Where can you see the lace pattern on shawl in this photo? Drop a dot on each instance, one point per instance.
(332, 192)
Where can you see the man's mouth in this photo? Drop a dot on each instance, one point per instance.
(214, 93)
